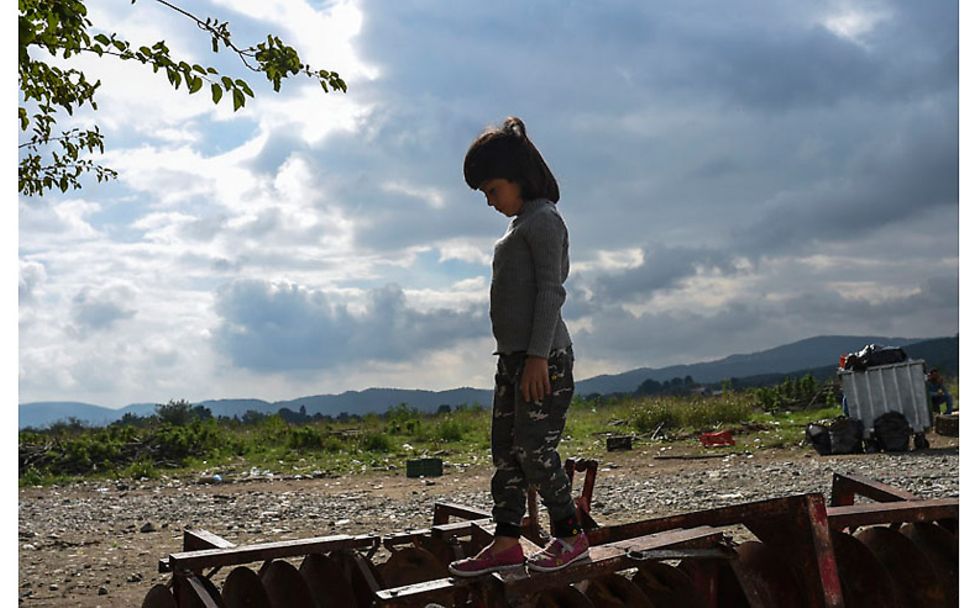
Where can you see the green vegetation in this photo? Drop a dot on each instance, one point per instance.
(186, 440)
(50, 93)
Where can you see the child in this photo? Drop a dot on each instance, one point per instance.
(534, 383)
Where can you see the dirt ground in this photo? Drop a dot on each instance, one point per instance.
(98, 544)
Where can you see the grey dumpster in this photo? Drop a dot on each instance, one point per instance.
(898, 387)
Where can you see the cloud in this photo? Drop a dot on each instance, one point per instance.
(734, 176)
(32, 275)
(269, 327)
(94, 310)
(661, 268)
(746, 324)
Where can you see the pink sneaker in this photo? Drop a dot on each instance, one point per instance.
(559, 553)
(488, 561)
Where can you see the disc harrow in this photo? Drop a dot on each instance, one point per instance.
(892, 549)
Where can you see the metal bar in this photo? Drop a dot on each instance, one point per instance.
(195, 560)
(893, 512)
(608, 558)
(442, 511)
(720, 516)
(802, 534)
(194, 540)
(459, 528)
(604, 559)
(845, 488)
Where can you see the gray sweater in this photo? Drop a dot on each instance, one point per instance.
(527, 286)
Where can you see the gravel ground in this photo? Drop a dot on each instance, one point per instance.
(98, 543)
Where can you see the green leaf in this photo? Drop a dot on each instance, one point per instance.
(216, 45)
(199, 68)
(195, 84)
(102, 38)
(238, 99)
(217, 92)
(227, 82)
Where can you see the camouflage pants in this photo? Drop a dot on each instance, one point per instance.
(524, 438)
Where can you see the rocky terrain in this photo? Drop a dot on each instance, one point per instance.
(98, 543)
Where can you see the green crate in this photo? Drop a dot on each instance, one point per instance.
(424, 467)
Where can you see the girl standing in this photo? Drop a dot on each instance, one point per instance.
(534, 383)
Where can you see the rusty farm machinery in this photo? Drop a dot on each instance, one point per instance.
(892, 549)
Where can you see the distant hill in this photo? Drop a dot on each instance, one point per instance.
(43, 413)
(818, 356)
(804, 354)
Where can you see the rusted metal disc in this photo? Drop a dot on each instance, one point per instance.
(667, 586)
(243, 589)
(188, 596)
(909, 568)
(865, 581)
(717, 577)
(411, 565)
(159, 597)
(942, 549)
(360, 587)
(948, 524)
(285, 586)
(616, 591)
(563, 597)
(444, 551)
(766, 576)
(414, 565)
(328, 585)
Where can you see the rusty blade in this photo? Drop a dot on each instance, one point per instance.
(865, 581)
(563, 597)
(328, 585)
(910, 569)
(667, 586)
(717, 582)
(243, 589)
(159, 597)
(941, 548)
(411, 565)
(765, 576)
(285, 586)
(616, 591)
(362, 573)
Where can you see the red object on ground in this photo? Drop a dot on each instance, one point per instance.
(717, 439)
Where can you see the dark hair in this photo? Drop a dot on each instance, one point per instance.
(506, 152)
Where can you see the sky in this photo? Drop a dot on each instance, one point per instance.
(734, 176)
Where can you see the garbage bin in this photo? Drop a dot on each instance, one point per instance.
(897, 387)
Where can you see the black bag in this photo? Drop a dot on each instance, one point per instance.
(818, 436)
(845, 436)
(873, 355)
(892, 432)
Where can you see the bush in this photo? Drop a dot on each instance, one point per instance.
(709, 413)
(375, 442)
(449, 430)
(402, 420)
(141, 468)
(304, 438)
(332, 444)
(656, 414)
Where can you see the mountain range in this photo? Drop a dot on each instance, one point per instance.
(818, 355)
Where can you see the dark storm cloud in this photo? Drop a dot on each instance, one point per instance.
(269, 328)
